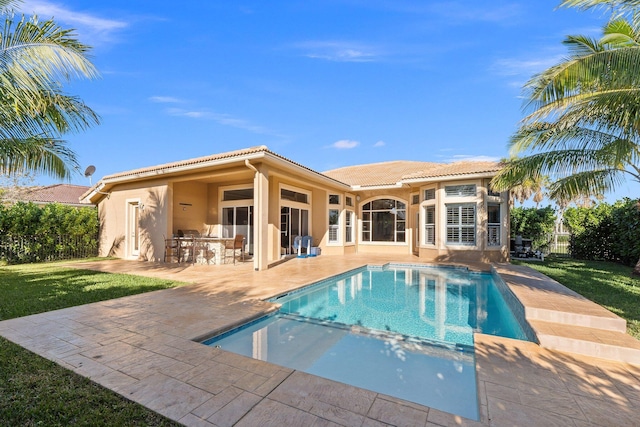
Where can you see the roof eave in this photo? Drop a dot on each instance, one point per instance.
(377, 187)
(102, 187)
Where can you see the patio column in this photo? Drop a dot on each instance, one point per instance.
(261, 217)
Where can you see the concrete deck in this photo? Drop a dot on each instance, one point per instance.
(142, 347)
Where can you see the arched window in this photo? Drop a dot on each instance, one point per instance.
(384, 220)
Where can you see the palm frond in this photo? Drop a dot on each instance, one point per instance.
(586, 184)
(579, 75)
(582, 45)
(42, 155)
(608, 4)
(36, 55)
(620, 33)
(36, 58)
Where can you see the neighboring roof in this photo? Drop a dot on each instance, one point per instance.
(396, 172)
(67, 194)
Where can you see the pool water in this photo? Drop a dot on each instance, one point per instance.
(405, 331)
(441, 304)
(436, 376)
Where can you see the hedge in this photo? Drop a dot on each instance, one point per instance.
(32, 233)
(605, 232)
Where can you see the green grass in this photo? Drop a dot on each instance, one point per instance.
(35, 288)
(605, 283)
(37, 392)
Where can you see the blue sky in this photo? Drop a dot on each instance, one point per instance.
(326, 83)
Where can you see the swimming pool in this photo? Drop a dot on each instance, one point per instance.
(405, 331)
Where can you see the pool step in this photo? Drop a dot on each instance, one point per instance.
(602, 320)
(546, 300)
(565, 320)
(594, 342)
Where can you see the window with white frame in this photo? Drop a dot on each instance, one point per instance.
(334, 226)
(461, 224)
(467, 190)
(415, 199)
(348, 201)
(493, 224)
(334, 199)
(294, 196)
(348, 226)
(430, 194)
(384, 220)
(237, 194)
(430, 225)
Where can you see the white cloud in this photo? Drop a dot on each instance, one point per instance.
(165, 100)
(338, 51)
(90, 26)
(223, 119)
(345, 144)
(525, 66)
(379, 144)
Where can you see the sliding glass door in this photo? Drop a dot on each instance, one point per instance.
(293, 222)
(239, 220)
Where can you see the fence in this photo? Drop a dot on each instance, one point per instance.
(25, 249)
(559, 244)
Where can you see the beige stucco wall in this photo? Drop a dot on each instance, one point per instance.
(190, 206)
(193, 202)
(154, 198)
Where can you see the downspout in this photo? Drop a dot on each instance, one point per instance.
(253, 168)
(250, 166)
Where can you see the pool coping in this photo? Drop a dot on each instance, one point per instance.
(141, 347)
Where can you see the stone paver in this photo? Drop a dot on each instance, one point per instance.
(142, 347)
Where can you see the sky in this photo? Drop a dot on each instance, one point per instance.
(326, 83)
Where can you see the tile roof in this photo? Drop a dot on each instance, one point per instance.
(456, 168)
(385, 173)
(61, 193)
(194, 161)
(389, 173)
(368, 175)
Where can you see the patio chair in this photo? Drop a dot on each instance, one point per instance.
(235, 245)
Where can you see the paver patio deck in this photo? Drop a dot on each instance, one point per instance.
(142, 347)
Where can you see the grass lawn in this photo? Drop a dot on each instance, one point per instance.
(604, 283)
(35, 391)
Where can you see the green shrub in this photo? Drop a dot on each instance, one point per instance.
(31, 233)
(532, 223)
(605, 232)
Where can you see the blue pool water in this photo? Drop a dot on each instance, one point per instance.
(399, 330)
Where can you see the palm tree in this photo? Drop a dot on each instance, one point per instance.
(35, 58)
(528, 188)
(584, 131)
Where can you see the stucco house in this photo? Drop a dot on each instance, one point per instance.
(436, 211)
